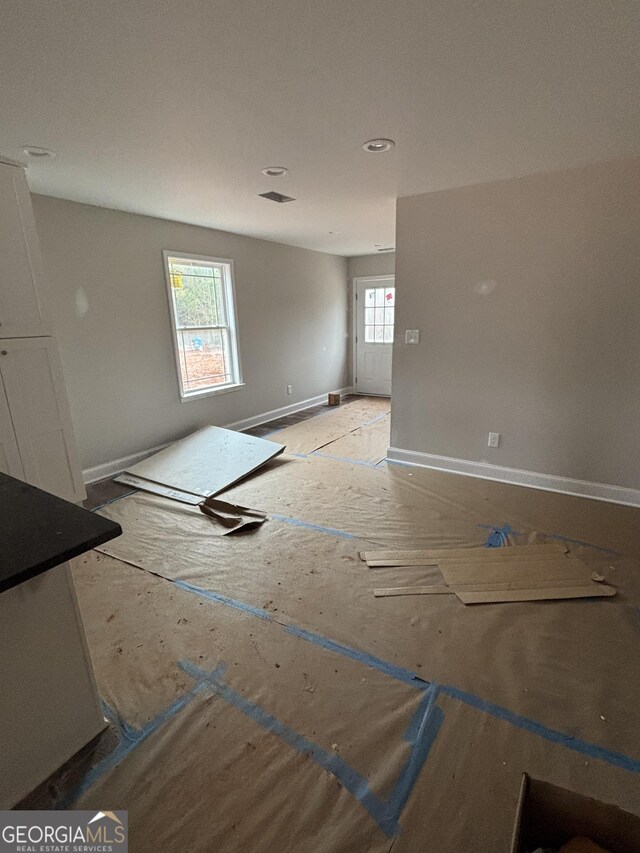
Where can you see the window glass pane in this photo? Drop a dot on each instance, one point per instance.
(390, 296)
(368, 316)
(369, 297)
(379, 296)
(368, 335)
(388, 316)
(204, 357)
(388, 334)
(379, 316)
(379, 335)
(201, 299)
(197, 295)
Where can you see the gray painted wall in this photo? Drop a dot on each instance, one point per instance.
(527, 296)
(112, 319)
(379, 264)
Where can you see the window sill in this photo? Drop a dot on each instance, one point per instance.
(210, 392)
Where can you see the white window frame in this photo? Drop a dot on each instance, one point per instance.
(228, 279)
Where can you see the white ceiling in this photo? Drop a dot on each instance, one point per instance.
(172, 107)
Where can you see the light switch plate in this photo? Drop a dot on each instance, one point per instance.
(412, 336)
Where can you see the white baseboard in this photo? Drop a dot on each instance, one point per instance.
(117, 466)
(517, 477)
(282, 412)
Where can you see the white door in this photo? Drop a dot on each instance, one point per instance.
(375, 310)
(34, 386)
(9, 456)
(23, 309)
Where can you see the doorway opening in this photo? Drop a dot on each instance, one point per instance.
(374, 299)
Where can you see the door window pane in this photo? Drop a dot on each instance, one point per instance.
(379, 315)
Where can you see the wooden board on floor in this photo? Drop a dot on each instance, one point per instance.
(495, 596)
(207, 462)
(412, 590)
(433, 556)
(562, 568)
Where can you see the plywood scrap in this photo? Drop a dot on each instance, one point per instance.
(504, 571)
(433, 556)
(207, 462)
(528, 573)
(495, 596)
(412, 590)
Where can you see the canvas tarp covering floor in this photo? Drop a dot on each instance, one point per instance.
(267, 701)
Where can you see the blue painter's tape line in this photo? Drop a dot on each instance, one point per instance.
(421, 733)
(390, 669)
(566, 539)
(345, 459)
(351, 779)
(498, 536)
(375, 420)
(332, 531)
(408, 677)
(224, 599)
(592, 750)
(127, 743)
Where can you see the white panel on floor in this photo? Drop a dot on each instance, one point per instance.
(208, 461)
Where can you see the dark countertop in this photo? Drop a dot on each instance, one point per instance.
(39, 531)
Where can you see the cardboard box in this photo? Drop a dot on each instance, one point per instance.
(549, 816)
(334, 399)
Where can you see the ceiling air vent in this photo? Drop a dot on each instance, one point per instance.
(276, 197)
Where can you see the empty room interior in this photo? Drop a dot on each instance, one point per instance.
(320, 426)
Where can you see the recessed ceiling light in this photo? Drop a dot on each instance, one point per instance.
(378, 146)
(275, 171)
(39, 153)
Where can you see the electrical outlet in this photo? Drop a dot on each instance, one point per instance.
(412, 336)
(289, 389)
(494, 439)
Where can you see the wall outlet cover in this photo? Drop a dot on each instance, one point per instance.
(494, 439)
(412, 336)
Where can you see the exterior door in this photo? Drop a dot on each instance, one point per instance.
(375, 316)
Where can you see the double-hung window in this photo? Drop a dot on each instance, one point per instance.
(201, 301)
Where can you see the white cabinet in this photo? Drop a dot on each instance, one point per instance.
(36, 436)
(23, 292)
(49, 704)
(34, 395)
(10, 462)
